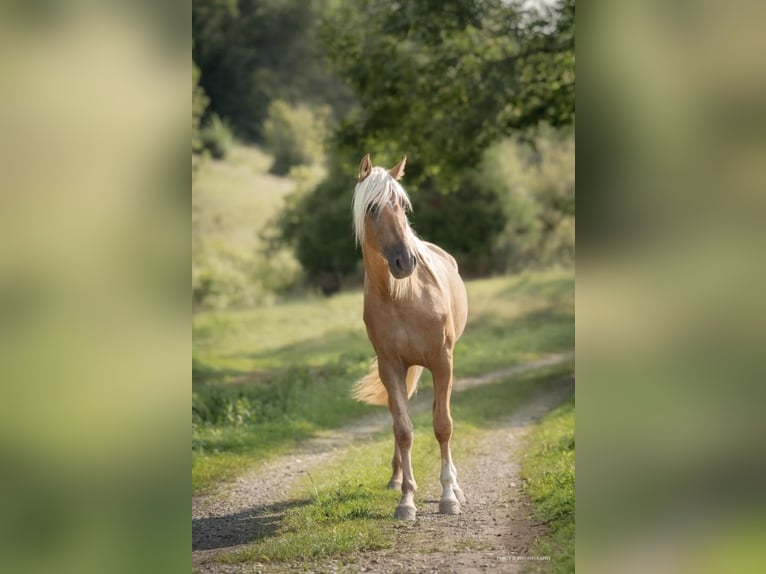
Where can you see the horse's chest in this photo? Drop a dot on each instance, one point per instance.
(406, 331)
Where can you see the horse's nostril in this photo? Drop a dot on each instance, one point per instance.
(403, 263)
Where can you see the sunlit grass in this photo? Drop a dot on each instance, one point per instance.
(238, 196)
(516, 319)
(548, 471)
(511, 320)
(236, 426)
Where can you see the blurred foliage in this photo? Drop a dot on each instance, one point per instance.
(199, 103)
(442, 83)
(315, 222)
(294, 135)
(217, 137)
(536, 182)
(229, 278)
(231, 201)
(444, 80)
(515, 210)
(252, 52)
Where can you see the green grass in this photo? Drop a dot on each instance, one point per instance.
(313, 331)
(548, 471)
(516, 319)
(233, 200)
(269, 377)
(238, 196)
(346, 508)
(511, 320)
(235, 426)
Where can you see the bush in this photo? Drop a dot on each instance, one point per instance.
(536, 183)
(512, 211)
(227, 279)
(217, 138)
(316, 223)
(465, 222)
(294, 135)
(199, 104)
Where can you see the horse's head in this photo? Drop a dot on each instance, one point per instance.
(380, 216)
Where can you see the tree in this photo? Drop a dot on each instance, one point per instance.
(199, 103)
(252, 52)
(443, 80)
(440, 81)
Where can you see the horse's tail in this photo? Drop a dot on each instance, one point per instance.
(369, 389)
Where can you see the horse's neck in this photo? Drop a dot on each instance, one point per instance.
(375, 269)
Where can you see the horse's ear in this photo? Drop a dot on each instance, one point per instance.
(397, 172)
(365, 167)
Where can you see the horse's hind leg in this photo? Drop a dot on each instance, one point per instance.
(396, 466)
(393, 378)
(452, 494)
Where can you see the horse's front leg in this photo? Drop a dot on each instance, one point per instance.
(393, 374)
(396, 469)
(452, 494)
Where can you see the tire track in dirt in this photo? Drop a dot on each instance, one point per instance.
(495, 527)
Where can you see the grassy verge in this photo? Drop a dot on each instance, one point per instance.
(511, 320)
(266, 378)
(237, 425)
(346, 508)
(548, 472)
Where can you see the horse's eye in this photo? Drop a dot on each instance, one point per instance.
(372, 209)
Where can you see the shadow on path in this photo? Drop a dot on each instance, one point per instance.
(242, 527)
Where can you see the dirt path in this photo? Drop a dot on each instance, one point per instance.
(494, 528)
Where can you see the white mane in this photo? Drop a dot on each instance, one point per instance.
(376, 190)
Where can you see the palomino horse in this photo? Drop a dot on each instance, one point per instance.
(415, 309)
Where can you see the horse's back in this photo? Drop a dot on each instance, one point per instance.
(439, 252)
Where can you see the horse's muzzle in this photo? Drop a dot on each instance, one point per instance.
(401, 263)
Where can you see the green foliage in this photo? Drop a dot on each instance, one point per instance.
(465, 222)
(256, 51)
(217, 138)
(317, 224)
(231, 203)
(549, 474)
(294, 135)
(443, 81)
(199, 104)
(226, 278)
(442, 85)
(286, 395)
(513, 211)
(238, 423)
(535, 181)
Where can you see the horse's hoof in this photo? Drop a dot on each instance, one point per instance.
(405, 512)
(460, 496)
(449, 507)
(395, 485)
